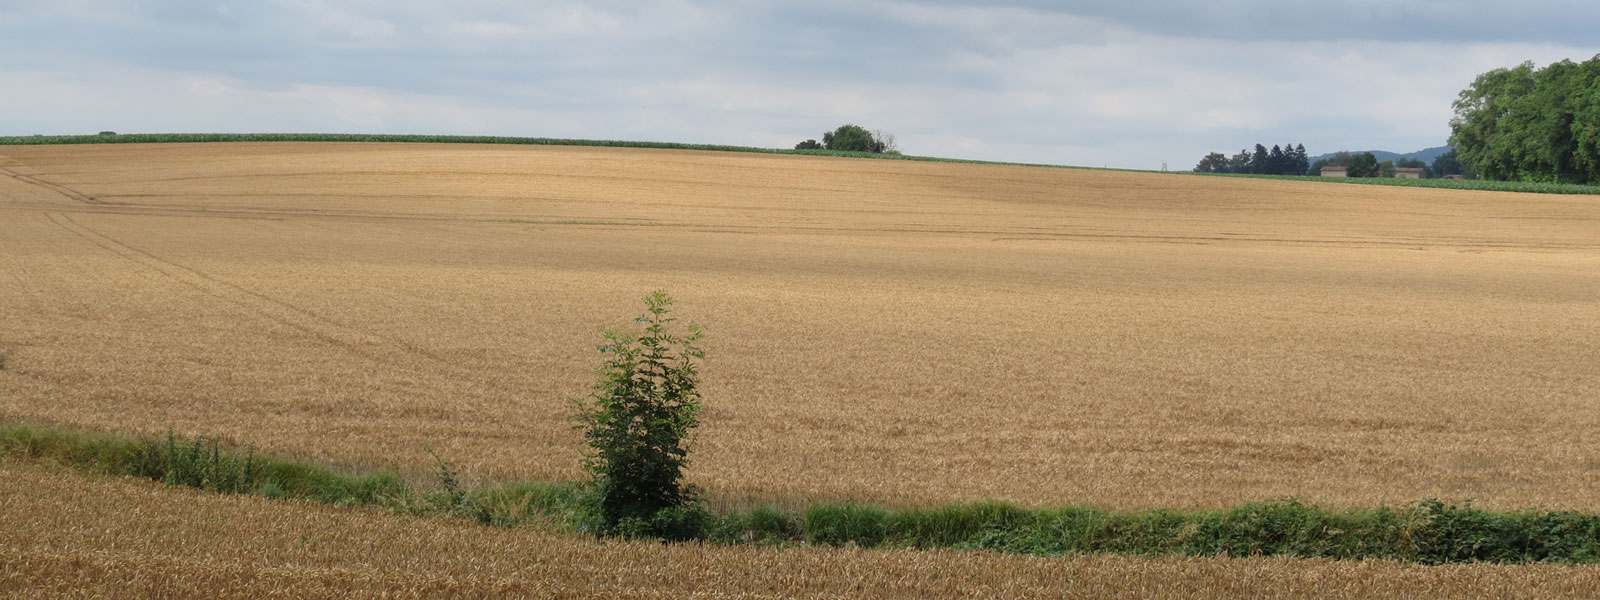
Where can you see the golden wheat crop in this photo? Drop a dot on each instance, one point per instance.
(886, 331)
(133, 538)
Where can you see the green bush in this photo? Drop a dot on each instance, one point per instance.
(636, 423)
(680, 523)
(1449, 533)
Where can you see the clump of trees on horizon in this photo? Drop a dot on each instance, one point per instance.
(853, 138)
(1279, 160)
(1532, 124)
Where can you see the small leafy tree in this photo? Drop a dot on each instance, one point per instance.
(850, 138)
(1214, 162)
(1240, 163)
(855, 138)
(637, 421)
(1363, 165)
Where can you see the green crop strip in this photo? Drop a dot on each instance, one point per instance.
(1526, 187)
(200, 138)
(1429, 531)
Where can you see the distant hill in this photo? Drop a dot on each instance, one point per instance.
(1425, 156)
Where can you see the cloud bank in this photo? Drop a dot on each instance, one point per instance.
(1131, 84)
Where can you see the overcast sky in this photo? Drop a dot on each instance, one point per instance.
(1122, 84)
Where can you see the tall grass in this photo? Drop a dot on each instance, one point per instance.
(200, 462)
(1430, 531)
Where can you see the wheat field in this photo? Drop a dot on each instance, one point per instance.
(107, 538)
(883, 331)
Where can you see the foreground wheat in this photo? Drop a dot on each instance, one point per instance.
(107, 538)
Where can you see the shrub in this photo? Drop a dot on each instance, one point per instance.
(637, 421)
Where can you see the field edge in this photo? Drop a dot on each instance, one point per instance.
(1428, 531)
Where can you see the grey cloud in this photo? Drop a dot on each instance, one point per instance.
(1023, 80)
(1563, 22)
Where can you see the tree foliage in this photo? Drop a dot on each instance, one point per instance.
(1239, 163)
(1288, 159)
(1450, 164)
(1415, 163)
(853, 138)
(1214, 162)
(637, 421)
(1530, 124)
(1364, 164)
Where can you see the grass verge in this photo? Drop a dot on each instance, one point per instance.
(1430, 531)
(191, 138)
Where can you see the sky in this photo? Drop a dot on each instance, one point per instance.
(1126, 84)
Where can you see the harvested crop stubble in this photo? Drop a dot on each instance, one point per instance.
(127, 538)
(880, 331)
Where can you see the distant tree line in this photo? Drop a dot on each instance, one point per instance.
(853, 138)
(1532, 124)
(1365, 164)
(1279, 160)
(1286, 160)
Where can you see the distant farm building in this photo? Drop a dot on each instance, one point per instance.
(1408, 172)
(1335, 171)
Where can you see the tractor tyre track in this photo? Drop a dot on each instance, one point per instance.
(64, 191)
(352, 340)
